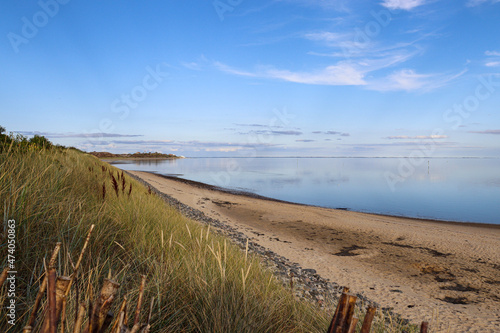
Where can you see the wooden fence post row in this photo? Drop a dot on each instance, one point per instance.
(344, 321)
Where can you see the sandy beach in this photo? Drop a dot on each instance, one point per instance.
(421, 268)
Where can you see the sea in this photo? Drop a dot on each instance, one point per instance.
(448, 189)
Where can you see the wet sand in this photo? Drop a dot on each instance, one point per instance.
(421, 268)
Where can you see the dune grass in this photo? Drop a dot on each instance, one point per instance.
(200, 281)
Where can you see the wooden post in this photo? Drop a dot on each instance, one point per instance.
(424, 327)
(334, 319)
(3, 277)
(43, 286)
(367, 323)
(102, 305)
(60, 288)
(79, 318)
(352, 325)
(351, 304)
(139, 300)
(51, 296)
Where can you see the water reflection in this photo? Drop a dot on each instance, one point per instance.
(446, 189)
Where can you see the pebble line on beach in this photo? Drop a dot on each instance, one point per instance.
(307, 284)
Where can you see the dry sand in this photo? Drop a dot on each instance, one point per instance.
(420, 268)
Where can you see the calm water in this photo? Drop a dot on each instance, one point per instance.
(466, 190)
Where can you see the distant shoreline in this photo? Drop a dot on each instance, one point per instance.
(261, 197)
(114, 159)
(135, 156)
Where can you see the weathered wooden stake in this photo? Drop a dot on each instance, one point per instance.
(61, 285)
(340, 305)
(43, 286)
(367, 323)
(424, 327)
(51, 296)
(352, 326)
(139, 300)
(3, 277)
(350, 313)
(79, 319)
(102, 305)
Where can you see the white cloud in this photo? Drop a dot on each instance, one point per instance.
(169, 145)
(492, 53)
(231, 70)
(350, 73)
(402, 4)
(342, 73)
(493, 60)
(366, 55)
(409, 80)
(78, 135)
(418, 137)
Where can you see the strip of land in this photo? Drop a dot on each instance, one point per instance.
(423, 269)
(110, 156)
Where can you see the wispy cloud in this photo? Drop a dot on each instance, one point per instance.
(197, 65)
(79, 135)
(402, 4)
(403, 144)
(272, 132)
(332, 133)
(497, 132)
(305, 140)
(493, 60)
(419, 137)
(143, 142)
(492, 53)
(361, 61)
(231, 70)
(409, 80)
(259, 125)
(342, 73)
(353, 45)
(171, 145)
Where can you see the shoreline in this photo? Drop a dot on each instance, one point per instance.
(113, 160)
(261, 197)
(419, 269)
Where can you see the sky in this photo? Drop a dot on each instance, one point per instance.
(241, 78)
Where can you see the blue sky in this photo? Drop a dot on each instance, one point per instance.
(255, 78)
